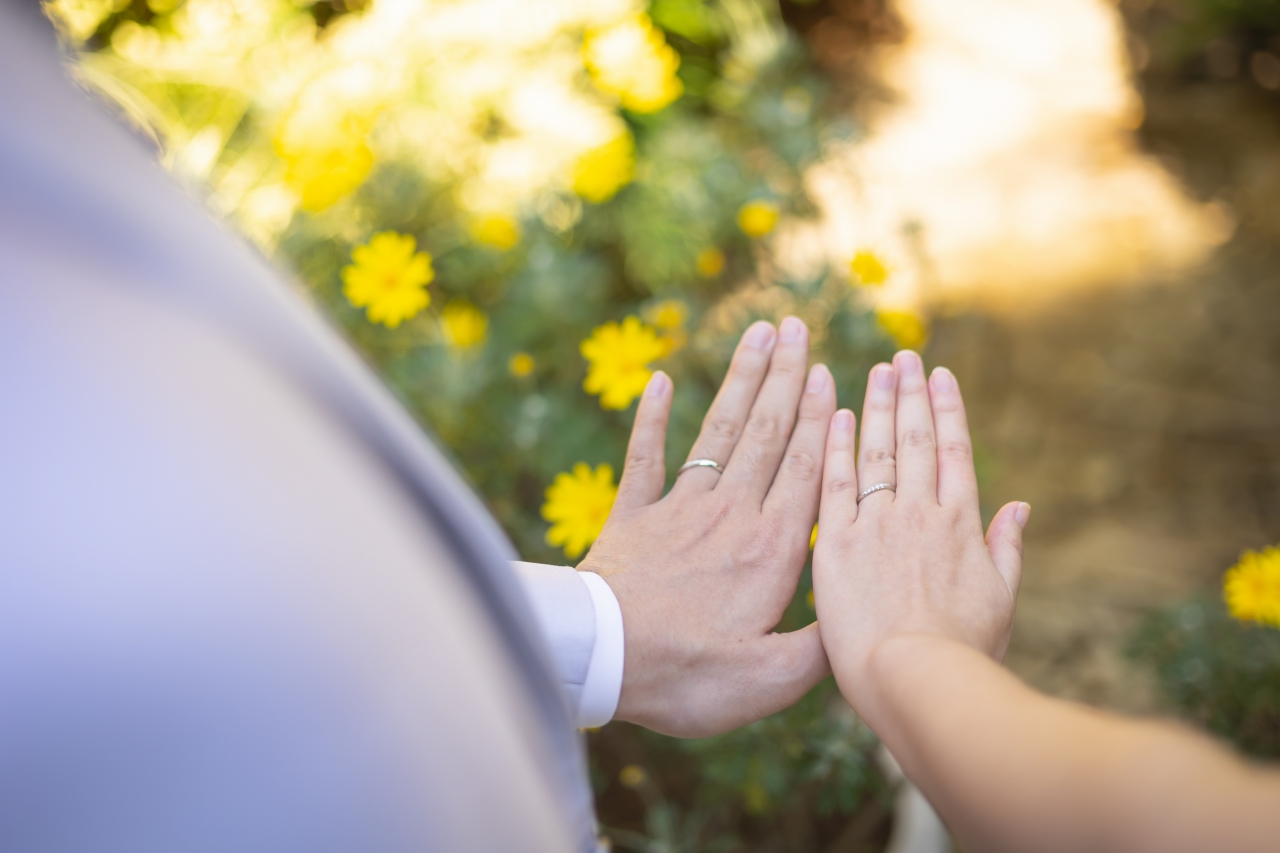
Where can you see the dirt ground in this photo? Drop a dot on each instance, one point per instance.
(1142, 422)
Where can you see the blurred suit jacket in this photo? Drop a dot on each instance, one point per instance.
(244, 603)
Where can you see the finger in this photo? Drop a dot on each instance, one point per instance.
(793, 498)
(755, 459)
(877, 451)
(727, 416)
(1004, 542)
(794, 663)
(957, 481)
(839, 505)
(917, 452)
(645, 471)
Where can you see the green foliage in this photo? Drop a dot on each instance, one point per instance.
(1216, 671)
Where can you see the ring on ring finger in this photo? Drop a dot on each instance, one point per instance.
(700, 463)
(870, 490)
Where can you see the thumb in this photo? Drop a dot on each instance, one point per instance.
(795, 662)
(1004, 541)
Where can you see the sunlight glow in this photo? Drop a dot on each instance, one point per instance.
(1007, 171)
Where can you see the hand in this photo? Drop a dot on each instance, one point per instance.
(704, 574)
(912, 561)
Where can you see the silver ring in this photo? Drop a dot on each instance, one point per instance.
(877, 487)
(700, 463)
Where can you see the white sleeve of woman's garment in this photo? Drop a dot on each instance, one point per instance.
(582, 622)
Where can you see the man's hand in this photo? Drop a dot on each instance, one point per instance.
(704, 574)
(911, 561)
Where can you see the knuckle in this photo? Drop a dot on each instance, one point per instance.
(836, 485)
(955, 451)
(877, 456)
(945, 404)
(813, 414)
(786, 367)
(881, 403)
(746, 365)
(640, 462)
(801, 464)
(765, 426)
(721, 426)
(916, 438)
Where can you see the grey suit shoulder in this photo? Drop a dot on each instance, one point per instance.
(244, 603)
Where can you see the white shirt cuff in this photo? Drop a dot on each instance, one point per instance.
(603, 685)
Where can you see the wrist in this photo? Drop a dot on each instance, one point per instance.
(874, 683)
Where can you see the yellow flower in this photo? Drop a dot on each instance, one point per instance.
(619, 357)
(813, 538)
(521, 365)
(1252, 587)
(322, 140)
(464, 324)
(602, 171)
(388, 278)
(868, 269)
(500, 232)
(668, 314)
(907, 329)
(710, 262)
(633, 62)
(757, 218)
(632, 776)
(322, 176)
(577, 506)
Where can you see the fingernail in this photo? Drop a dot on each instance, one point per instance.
(791, 330)
(882, 375)
(659, 382)
(1022, 514)
(759, 336)
(943, 379)
(817, 379)
(844, 420)
(908, 362)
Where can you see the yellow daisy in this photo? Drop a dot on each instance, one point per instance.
(669, 316)
(633, 62)
(388, 278)
(757, 218)
(602, 171)
(500, 232)
(1252, 587)
(710, 262)
(464, 324)
(577, 506)
(868, 269)
(521, 364)
(618, 356)
(908, 330)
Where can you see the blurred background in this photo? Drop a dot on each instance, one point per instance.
(517, 210)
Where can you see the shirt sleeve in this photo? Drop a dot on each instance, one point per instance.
(582, 622)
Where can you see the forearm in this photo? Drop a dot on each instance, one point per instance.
(1011, 769)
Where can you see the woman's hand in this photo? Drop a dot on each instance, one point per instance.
(704, 574)
(911, 561)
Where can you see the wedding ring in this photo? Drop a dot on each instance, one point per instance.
(700, 463)
(877, 487)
